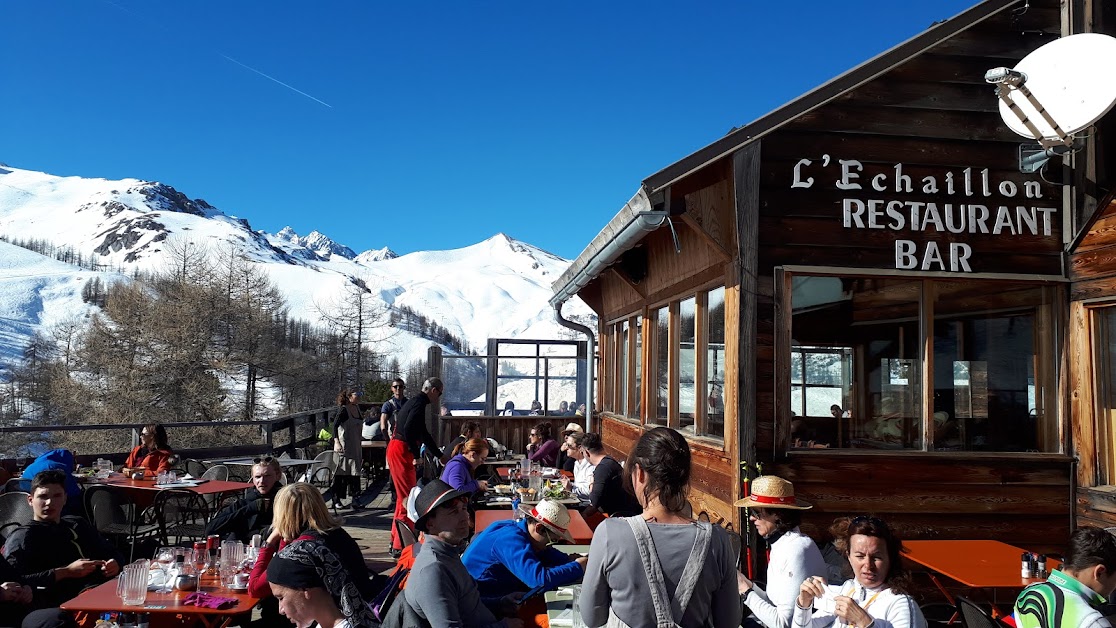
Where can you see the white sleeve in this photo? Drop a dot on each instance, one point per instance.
(804, 617)
(902, 613)
(789, 568)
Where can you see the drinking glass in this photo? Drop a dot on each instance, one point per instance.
(161, 565)
(576, 621)
(525, 467)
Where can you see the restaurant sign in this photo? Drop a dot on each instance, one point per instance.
(977, 205)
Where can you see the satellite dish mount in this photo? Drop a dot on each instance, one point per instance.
(1054, 93)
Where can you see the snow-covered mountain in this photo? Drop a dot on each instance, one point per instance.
(495, 288)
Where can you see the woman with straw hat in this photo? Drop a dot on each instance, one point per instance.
(776, 514)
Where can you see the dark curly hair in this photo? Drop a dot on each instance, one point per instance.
(664, 456)
(543, 429)
(844, 528)
(785, 519)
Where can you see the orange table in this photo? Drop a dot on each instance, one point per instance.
(143, 491)
(579, 530)
(103, 599)
(975, 564)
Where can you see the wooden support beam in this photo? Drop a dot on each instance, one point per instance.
(627, 280)
(706, 237)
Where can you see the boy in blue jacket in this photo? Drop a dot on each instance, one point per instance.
(511, 556)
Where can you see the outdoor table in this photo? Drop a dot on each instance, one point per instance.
(559, 603)
(505, 473)
(103, 599)
(143, 491)
(578, 528)
(289, 466)
(504, 462)
(975, 564)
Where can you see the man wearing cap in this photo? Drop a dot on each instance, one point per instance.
(251, 513)
(516, 555)
(776, 513)
(439, 588)
(1070, 595)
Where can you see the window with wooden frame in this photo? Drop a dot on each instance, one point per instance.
(686, 357)
(891, 362)
(1104, 397)
(622, 363)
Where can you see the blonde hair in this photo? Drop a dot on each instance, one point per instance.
(471, 445)
(300, 507)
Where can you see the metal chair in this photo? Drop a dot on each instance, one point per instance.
(195, 468)
(15, 511)
(973, 616)
(216, 472)
(321, 471)
(180, 514)
(406, 534)
(114, 515)
(15, 485)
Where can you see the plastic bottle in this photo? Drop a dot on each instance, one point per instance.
(1025, 568)
(515, 506)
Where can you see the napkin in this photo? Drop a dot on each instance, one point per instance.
(205, 600)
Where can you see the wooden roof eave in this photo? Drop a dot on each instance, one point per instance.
(825, 93)
(634, 220)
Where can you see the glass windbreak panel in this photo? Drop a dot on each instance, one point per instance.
(606, 353)
(855, 363)
(622, 361)
(558, 351)
(993, 367)
(561, 386)
(520, 387)
(687, 365)
(465, 379)
(715, 364)
(662, 366)
(637, 373)
(1105, 322)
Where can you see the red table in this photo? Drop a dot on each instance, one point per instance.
(579, 530)
(143, 491)
(103, 599)
(975, 564)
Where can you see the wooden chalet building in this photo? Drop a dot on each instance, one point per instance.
(863, 293)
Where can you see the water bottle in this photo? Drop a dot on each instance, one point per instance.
(515, 506)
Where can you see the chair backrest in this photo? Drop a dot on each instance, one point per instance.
(104, 506)
(406, 535)
(15, 485)
(175, 508)
(14, 508)
(195, 468)
(973, 616)
(216, 472)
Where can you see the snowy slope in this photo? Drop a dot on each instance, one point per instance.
(496, 288)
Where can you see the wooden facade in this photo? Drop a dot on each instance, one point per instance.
(895, 190)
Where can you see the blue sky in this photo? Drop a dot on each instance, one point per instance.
(446, 122)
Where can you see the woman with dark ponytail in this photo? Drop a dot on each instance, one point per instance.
(467, 456)
(658, 547)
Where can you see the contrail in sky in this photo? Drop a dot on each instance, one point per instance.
(272, 78)
(243, 65)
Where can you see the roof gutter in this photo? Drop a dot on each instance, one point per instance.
(636, 219)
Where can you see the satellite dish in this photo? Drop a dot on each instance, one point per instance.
(1068, 78)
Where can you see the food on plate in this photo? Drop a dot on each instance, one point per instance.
(504, 489)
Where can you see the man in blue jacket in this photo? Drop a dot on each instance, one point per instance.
(510, 556)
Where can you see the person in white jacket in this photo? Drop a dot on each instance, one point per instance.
(876, 595)
(795, 557)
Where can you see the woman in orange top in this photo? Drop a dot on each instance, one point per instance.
(153, 454)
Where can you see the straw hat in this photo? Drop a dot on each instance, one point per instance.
(573, 427)
(552, 515)
(770, 491)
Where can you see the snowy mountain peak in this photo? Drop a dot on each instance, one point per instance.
(316, 242)
(375, 255)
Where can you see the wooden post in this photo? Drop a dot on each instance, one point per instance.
(745, 177)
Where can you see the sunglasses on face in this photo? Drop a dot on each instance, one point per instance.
(869, 520)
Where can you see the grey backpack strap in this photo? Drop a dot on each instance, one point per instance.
(650, 559)
(694, 566)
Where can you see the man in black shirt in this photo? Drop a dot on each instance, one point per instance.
(405, 447)
(608, 493)
(63, 555)
(252, 513)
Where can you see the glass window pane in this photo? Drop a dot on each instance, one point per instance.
(687, 365)
(835, 322)
(622, 363)
(1106, 392)
(987, 348)
(466, 378)
(637, 373)
(662, 365)
(715, 363)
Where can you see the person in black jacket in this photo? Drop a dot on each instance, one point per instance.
(404, 448)
(252, 513)
(63, 555)
(17, 601)
(608, 494)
